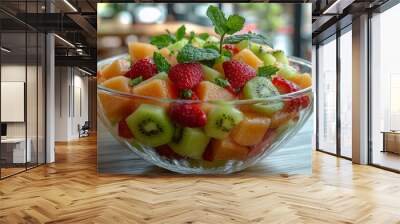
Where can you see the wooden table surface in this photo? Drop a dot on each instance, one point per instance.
(72, 191)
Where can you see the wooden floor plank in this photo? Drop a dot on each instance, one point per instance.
(71, 191)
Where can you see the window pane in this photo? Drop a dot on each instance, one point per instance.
(386, 88)
(327, 97)
(346, 94)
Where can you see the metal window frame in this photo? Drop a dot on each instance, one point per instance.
(44, 73)
(381, 9)
(339, 32)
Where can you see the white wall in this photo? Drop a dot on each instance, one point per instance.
(70, 83)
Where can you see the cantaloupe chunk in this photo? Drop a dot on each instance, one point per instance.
(99, 78)
(226, 149)
(280, 118)
(218, 66)
(209, 91)
(116, 107)
(251, 130)
(263, 145)
(141, 50)
(116, 68)
(303, 80)
(171, 58)
(155, 88)
(248, 57)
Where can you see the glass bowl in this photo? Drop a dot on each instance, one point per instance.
(219, 156)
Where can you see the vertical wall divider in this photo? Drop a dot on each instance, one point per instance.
(37, 90)
(316, 97)
(369, 96)
(26, 87)
(338, 100)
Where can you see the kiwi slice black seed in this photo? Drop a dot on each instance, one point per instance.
(261, 88)
(150, 125)
(221, 120)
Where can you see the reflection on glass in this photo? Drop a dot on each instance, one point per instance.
(346, 94)
(13, 83)
(327, 97)
(385, 86)
(41, 99)
(31, 98)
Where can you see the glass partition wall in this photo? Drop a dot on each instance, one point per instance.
(385, 89)
(334, 94)
(22, 77)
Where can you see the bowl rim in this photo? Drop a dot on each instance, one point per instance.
(288, 96)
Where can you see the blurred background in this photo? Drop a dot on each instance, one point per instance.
(287, 25)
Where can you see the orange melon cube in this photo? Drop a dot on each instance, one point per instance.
(116, 68)
(280, 118)
(154, 88)
(218, 66)
(251, 130)
(226, 149)
(269, 138)
(141, 50)
(303, 80)
(116, 107)
(248, 57)
(207, 90)
(167, 55)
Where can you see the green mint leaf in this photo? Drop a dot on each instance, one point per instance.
(180, 33)
(218, 19)
(161, 63)
(211, 46)
(221, 82)
(191, 54)
(256, 38)
(235, 23)
(204, 36)
(192, 36)
(186, 94)
(135, 81)
(267, 71)
(162, 40)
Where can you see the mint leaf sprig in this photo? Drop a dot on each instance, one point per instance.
(191, 54)
(161, 63)
(165, 40)
(253, 37)
(222, 25)
(267, 71)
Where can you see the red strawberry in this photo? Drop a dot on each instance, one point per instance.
(186, 76)
(187, 114)
(232, 48)
(123, 129)
(166, 151)
(208, 154)
(284, 86)
(144, 68)
(238, 73)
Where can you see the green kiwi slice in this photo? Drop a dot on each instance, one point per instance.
(280, 56)
(150, 125)
(261, 88)
(221, 120)
(189, 142)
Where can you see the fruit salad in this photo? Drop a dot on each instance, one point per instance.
(204, 98)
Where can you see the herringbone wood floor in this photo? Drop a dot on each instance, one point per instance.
(71, 191)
